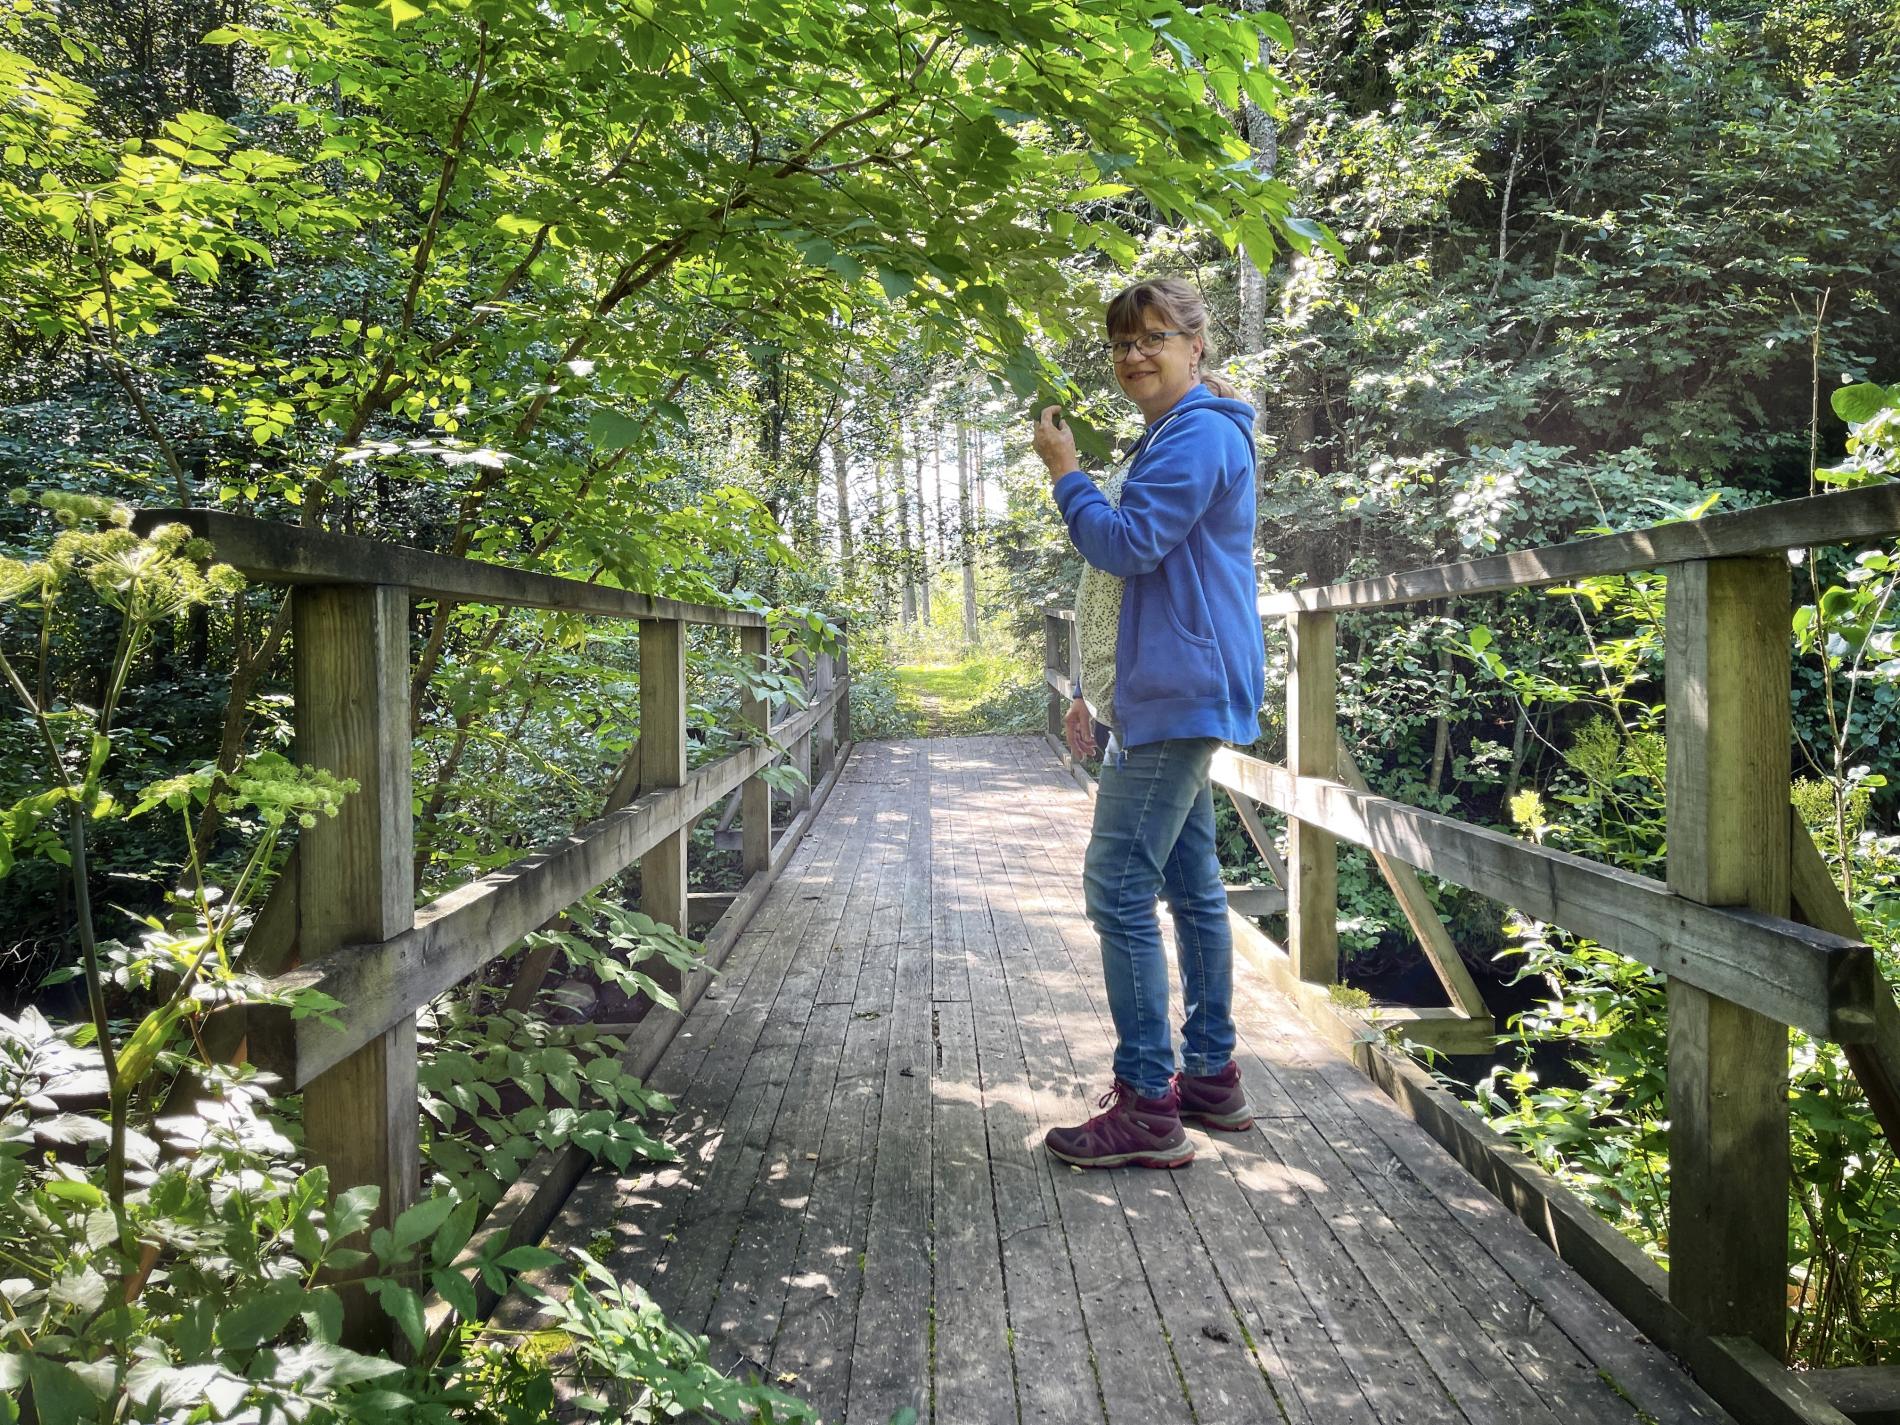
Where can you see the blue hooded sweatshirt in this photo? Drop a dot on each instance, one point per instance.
(1189, 658)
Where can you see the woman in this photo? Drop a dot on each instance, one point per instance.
(1188, 674)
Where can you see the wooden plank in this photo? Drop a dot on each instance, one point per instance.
(1416, 905)
(1868, 1394)
(1817, 901)
(1312, 740)
(1049, 1353)
(721, 1081)
(1841, 518)
(1446, 1030)
(1524, 1361)
(973, 1380)
(273, 553)
(818, 1324)
(799, 754)
(755, 815)
(890, 1366)
(1468, 1364)
(380, 984)
(662, 768)
(1454, 1213)
(1313, 1373)
(1821, 983)
(1055, 673)
(1726, 664)
(1135, 1370)
(1256, 900)
(748, 1295)
(351, 650)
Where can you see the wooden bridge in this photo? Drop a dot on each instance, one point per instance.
(909, 996)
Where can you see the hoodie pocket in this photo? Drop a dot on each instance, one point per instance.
(1169, 663)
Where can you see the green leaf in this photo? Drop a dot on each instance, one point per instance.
(60, 1396)
(65, 1190)
(454, 1233)
(353, 1210)
(260, 1318)
(421, 1220)
(526, 1259)
(405, 1308)
(612, 430)
(1860, 402)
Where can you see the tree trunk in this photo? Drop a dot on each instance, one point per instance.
(906, 565)
(966, 534)
(1262, 134)
(847, 544)
(880, 540)
(923, 524)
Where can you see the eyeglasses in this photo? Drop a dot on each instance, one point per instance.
(1148, 344)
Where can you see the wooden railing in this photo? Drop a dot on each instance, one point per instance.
(1748, 928)
(343, 919)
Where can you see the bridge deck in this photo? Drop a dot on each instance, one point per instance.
(864, 1212)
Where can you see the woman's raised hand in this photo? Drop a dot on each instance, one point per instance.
(1055, 443)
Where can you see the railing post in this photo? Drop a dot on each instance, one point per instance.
(1727, 675)
(1072, 635)
(663, 764)
(1312, 740)
(755, 801)
(841, 668)
(801, 749)
(826, 730)
(1055, 658)
(354, 884)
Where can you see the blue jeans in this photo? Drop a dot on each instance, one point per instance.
(1154, 836)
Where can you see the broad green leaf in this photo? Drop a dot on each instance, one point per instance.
(1860, 402)
(421, 1220)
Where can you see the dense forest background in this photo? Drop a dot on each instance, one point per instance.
(754, 302)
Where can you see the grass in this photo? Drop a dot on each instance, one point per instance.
(943, 697)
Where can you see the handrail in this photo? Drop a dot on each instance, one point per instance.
(1872, 512)
(349, 907)
(272, 553)
(378, 983)
(1725, 928)
(1820, 983)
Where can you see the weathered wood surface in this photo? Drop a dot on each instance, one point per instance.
(275, 553)
(863, 1210)
(1818, 982)
(1846, 517)
(380, 983)
(352, 718)
(1312, 750)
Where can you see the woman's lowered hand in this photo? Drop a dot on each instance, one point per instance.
(1055, 443)
(1080, 728)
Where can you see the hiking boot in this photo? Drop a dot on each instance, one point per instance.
(1131, 1132)
(1217, 1101)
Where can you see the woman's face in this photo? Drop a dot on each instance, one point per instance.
(1156, 381)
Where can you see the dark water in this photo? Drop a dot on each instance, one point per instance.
(1399, 974)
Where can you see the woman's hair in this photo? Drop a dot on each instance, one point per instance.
(1178, 304)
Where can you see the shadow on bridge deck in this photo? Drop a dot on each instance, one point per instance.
(863, 1212)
